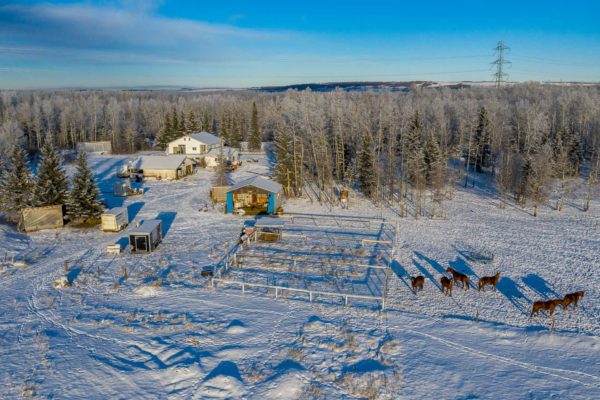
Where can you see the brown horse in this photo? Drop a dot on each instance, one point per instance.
(572, 298)
(549, 305)
(458, 277)
(489, 280)
(417, 283)
(446, 285)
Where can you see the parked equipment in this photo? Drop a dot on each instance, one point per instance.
(115, 219)
(146, 237)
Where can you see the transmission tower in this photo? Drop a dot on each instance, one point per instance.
(500, 76)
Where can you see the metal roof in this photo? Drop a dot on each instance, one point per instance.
(115, 211)
(259, 182)
(146, 228)
(161, 162)
(205, 137)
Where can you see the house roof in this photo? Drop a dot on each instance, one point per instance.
(259, 182)
(161, 162)
(205, 137)
(146, 228)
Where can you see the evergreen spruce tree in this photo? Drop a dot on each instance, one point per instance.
(82, 203)
(284, 161)
(483, 150)
(223, 133)
(431, 158)
(51, 186)
(575, 153)
(255, 139)
(413, 150)
(182, 125)
(192, 123)
(206, 121)
(164, 137)
(16, 183)
(366, 171)
(175, 126)
(235, 134)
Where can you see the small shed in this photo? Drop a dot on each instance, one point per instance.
(95, 147)
(121, 188)
(37, 218)
(269, 228)
(115, 219)
(255, 195)
(165, 167)
(230, 154)
(145, 238)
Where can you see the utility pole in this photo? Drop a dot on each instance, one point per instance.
(500, 75)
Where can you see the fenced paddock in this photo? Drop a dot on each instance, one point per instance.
(318, 258)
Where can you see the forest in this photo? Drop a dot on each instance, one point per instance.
(406, 150)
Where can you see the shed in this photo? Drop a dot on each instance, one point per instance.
(255, 195)
(115, 219)
(37, 218)
(146, 237)
(95, 147)
(165, 167)
(218, 194)
(230, 154)
(269, 228)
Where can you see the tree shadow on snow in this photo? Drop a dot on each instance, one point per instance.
(540, 286)
(436, 265)
(134, 208)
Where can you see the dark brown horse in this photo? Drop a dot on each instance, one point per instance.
(549, 305)
(572, 298)
(489, 280)
(458, 277)
(446, 285)
(417, 283)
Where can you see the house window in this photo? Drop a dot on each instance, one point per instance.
(193, 148)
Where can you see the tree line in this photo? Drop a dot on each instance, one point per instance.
(405, 149)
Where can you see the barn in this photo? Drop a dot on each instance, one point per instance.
(195, 144)
(255, 195)
(165, 167)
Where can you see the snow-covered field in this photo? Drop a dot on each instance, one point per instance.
(150, 327)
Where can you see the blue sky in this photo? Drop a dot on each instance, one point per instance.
(244, 43)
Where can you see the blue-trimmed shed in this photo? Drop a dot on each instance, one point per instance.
(255, 195)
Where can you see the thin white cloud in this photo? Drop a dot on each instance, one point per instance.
(85, 33)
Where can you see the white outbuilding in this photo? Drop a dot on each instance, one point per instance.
(165, 167)
(195, 144)
(115, 219)
(230, 154)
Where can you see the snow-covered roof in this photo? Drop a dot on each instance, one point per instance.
(227, 152)
(205, 137)
(115, 211)
(161, 162)
(259, 182)
(146, 228)
(269, 221)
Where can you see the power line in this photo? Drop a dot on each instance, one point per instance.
(500, 76)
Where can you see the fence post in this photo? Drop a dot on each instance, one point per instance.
(276, 292)
(310, 296)
(243, 288)
(345, 300)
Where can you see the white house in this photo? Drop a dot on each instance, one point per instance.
(195, 144)
(229, 153)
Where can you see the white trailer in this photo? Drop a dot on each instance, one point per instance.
(115, 219)
(146, 237)
(121, 188)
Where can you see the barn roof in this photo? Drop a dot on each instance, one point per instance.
(259, 182)
(170, 162)
(205, 137)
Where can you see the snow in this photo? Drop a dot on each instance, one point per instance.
(151, 327)
(259, 182)
(161, 162)
(205, 138)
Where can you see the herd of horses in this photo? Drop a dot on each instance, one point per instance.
(446, 284)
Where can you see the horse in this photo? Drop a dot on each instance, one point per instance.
(446, 285)
(572, 298)
(458, 277)
(549, 305)
(417, 283)
(489, 280)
